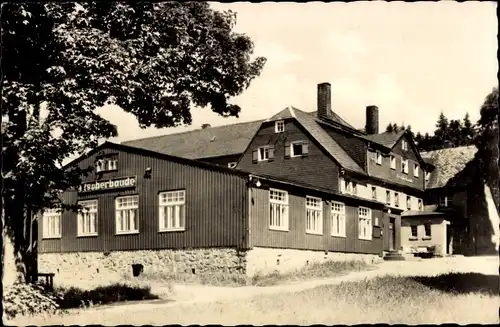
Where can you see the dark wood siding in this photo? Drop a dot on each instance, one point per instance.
(410, 153)
(297, 238)
(216, 208)
(395, 176)
(355, 147)
(316, 169)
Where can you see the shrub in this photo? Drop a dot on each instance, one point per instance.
(28, 299)
(74, 297)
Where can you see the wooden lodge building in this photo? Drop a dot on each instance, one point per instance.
(244, 198)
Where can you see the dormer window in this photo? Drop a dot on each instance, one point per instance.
(279, 126)
(427, 176)
(415, 170)
(393, 162)
(404, 145)
(404, 166)
(379, 158)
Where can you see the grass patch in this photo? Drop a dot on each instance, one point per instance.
(401, 300)
(315, 270)
(74, 297)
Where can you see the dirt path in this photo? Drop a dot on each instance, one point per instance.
(190, 294)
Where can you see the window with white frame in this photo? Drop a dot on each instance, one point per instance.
(427, 176)
(106, 164)
(393, 162)
(126, 216)
(374, 192)
(404, 166)
(404, 145)
(299, 148)
(444, 201)
(278, 210)
(365, 223)
(314, 215)
(279, 126)
(396, 199)
(408, 202)
(388, 197)
(172, 211)
(87, 218)
(415, 170)
(338, 219)
(231, 164)
(112, 164)
(51, 221)
(263, 153)
(354, 188)
(379, 158)
(100, 165)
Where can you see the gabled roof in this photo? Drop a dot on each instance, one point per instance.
(387, 139)
(313, 127)
(334, 117)
(202, 143)
(326, 141)
(206, 165)
(448, 162)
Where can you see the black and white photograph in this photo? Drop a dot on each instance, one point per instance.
(249, 163)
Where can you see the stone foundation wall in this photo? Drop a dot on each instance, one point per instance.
(266, 260)
(98, 268)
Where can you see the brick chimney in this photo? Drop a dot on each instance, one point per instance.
(324, 100)
(371, 126)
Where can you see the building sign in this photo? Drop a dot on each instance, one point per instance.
(111, 184)
(404, 178)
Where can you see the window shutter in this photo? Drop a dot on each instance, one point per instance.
(287, 150)
(271, 153)
(305, 148)
(255, 155)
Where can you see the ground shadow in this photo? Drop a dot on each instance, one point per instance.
(462, 283)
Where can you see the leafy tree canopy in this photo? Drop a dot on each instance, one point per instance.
(154, 60)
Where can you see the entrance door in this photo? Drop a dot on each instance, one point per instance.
(392, 234)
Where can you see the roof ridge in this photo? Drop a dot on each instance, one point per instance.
(191, 131)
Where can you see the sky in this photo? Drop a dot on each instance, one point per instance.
(412, 60)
